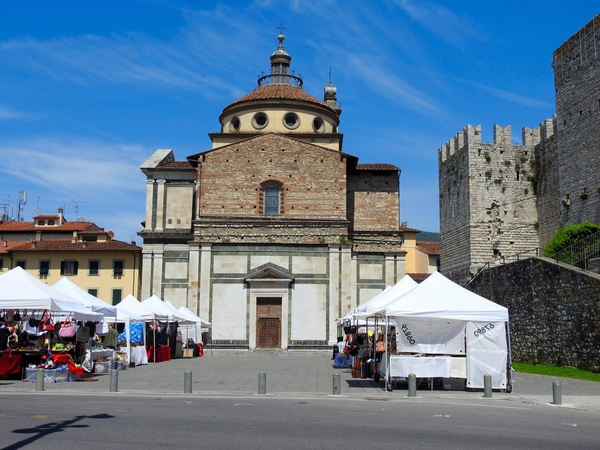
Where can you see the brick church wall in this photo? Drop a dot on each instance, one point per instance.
(313, 179)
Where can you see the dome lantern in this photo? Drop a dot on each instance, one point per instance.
(280, 67)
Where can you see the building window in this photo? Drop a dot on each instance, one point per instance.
(260, 120)
(271, 200)
(89, 238)
(291, 121)
(117, 294)
(94, 267)
(118, 268)
(319, 125)
(234, 125)
(44, 268)
(69, 267)
(93, 291)
(41, 222)
(22, 264)
(51, 222)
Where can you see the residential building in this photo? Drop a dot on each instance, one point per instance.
(50, 247)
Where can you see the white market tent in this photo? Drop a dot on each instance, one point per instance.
(377, 305)
(131, 305)
(95, 304)
(159, 307)
(194, 325)
(441, 317)
(20, 290)
(111, 313)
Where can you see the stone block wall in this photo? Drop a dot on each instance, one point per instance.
(577, 81)
(487, 202)
(553, 308)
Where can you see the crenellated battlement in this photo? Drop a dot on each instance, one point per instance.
(502, 137)
(470, 135)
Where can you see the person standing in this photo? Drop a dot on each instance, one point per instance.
(110, 340)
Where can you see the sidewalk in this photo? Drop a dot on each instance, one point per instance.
(297, 375)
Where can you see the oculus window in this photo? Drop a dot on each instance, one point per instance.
(260, 120)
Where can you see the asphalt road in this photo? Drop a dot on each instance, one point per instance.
(66, 421)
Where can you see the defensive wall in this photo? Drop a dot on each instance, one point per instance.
(554, 313)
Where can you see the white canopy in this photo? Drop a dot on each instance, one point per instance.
(159, 307)
(191, 316)
(438, 297)
(132, 306)
(95, 304)
(439, 317)
(378, 304)
(20, 290)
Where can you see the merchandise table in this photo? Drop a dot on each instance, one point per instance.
(421, 366)
(163, 353)
(138, 355)
(95, 355)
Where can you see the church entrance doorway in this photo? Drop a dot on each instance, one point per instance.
(268, 327)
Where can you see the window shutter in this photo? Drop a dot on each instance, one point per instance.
(62, 267)
(75, 267)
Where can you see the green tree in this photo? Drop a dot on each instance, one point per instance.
(560, 247)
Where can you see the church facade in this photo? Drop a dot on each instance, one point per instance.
(274, 232)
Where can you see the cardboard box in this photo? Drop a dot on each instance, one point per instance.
(188, 352)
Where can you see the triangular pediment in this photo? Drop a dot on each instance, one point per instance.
(269, 272)
(268, 139)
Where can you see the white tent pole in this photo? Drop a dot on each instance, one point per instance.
(509, 355)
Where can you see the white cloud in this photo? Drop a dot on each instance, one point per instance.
(441, 21)
(511, 96)
(79, 166)
(8, 113)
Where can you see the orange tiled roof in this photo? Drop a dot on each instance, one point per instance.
(279, 92)
(418, 277)
(67, 245)
(408, 229)
(378, 166)
(431, 248)
(14, 225)
(176, 165)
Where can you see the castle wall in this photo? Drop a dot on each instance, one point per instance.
(487, 203)
(553, 311)
(546, 184)
(577, 81)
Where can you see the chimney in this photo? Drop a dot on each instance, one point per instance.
(84, 244)
(32, 244)
(404, 224)
(5, 244)
(60, 216)
(74, 238)
(38, 236)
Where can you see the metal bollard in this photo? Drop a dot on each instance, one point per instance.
(412, 385)
(39, 379)
(337, 384)
(262, 382)
(114, 381)
(556, 393)
(487, 385)
(187, 382)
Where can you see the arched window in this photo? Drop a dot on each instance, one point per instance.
(271, 193)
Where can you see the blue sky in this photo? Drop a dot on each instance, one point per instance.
(89, 90)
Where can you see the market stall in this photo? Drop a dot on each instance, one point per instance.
(43, 333)
(131, 305)
(443, 329)
(192, 331)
